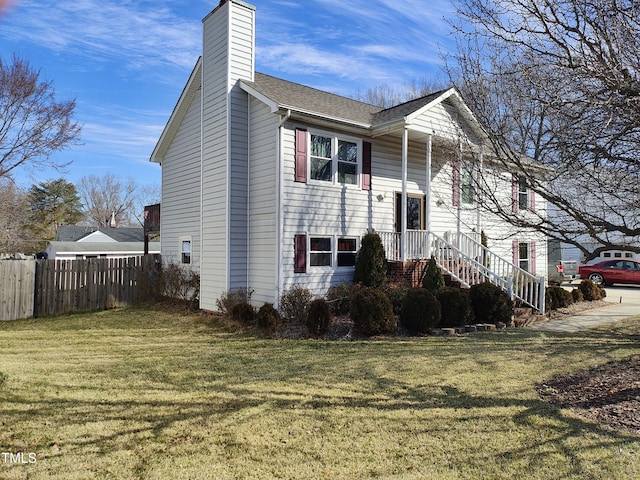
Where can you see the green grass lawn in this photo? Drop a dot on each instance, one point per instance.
(136, 393)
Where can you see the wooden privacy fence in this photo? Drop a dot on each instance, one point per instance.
(64, 286)
(17, 280)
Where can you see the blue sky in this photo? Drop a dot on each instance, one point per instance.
(126, 62)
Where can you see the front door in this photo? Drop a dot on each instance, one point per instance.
(416, 216)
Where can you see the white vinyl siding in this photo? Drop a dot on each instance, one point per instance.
(227, 56)
(181, 189)
(262, 251)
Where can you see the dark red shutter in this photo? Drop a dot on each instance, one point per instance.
(515, 194)
(300, 253)
(366, 166)
(532, 258)
(301, 156)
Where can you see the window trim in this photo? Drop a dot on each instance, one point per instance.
(181, 243)
(467, 183)
(335, 243)
(321, 252)
(335, 139)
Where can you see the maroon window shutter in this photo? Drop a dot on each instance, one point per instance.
(516, 252)
(366, 166)
(515, 190)
(532, 200)
(532, 258)
(456, 183)
(300, 253)
(301, 156)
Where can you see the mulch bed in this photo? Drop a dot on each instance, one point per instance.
(608, 394)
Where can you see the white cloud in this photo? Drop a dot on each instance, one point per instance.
(136, 33)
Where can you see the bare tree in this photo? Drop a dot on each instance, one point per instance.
(33, 125)
(146, 195)
(557, 81)
(386, 96)
(106, 197)
(13, 208)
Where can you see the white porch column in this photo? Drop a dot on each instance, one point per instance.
(428, 184)
(459, 194)
(478, 191)
(403, 200)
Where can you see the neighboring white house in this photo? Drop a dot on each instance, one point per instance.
(77, 242)
(267, 184)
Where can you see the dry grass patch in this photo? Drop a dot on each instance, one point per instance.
(145, 394)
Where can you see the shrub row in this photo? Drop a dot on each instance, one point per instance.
(557, 297)
(374, 311)
(421, 310)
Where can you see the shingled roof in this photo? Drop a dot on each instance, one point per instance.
(73, 233)
(289, 95)
(285, 94)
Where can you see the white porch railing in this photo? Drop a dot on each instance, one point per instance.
(469, 262)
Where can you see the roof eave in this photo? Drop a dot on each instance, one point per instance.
(178, 113)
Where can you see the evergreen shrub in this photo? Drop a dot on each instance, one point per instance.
(590, 290)
(420, 310)
(433, 279)
(577, 295)
(490, 304)
(372, 312)
(557, 297)
(371, 262)
(455, 307)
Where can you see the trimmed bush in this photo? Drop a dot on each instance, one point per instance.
(318, 317)
(603, 292)
(455, 307)
(577, 295)
(268, 318)
(420, 310)
(243, 312)
(557, 297)
(231, 298)
(339, 297)
(396, 294)
(294, 304)
(590, 290)
(371, 262)
(372, 312)
(490, 304)
(433, 279)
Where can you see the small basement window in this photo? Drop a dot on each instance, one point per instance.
(185, 250)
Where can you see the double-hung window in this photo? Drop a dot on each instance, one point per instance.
(347, 248)
(320, 252)
(466, 184)
(331, 251)
(524, 259)
(523, 194)
(334, 159)
(185, 250)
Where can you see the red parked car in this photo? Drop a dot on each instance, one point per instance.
(612, 271)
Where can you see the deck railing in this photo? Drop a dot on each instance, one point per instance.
(469, 262)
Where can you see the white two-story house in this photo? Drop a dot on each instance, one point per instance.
(267, 184)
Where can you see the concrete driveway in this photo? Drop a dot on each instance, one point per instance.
(624, 303)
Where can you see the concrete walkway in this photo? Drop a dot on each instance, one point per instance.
(625, 303)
